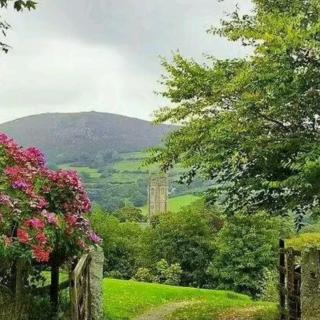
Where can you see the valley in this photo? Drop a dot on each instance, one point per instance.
(108, 151)
(124, 183)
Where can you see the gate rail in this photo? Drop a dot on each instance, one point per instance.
(80, 289)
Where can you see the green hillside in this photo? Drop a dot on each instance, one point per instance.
(85, 137)
(125, 300)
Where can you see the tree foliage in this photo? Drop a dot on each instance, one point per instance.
(245, 248)
(130, 214)
(185, 237)
(252, 124)
(18, 5)
(121, 244)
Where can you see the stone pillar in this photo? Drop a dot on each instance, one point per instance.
(310, 285)
(96, 277)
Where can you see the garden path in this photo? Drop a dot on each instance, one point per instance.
(160, 313)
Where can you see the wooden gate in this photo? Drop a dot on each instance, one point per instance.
(80, 290)
(290, 283)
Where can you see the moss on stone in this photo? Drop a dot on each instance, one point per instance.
(304, 241)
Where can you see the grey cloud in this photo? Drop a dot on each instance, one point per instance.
(73, 55)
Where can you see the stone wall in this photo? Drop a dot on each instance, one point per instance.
(310, 285)
(96, 277)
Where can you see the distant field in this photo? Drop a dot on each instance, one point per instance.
(93, 173)
(132, 165)
(125, 300)
(134, 155)
(176, 203)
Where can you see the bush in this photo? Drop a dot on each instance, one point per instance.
(164, 273)
(173, 274)
(144, 275)
(270, 286)
(168, 274)
(161, 268)
(115, 274)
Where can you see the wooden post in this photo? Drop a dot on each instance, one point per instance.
(290, 284)
(282, 279)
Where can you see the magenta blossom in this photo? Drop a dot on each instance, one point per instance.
(95, 238)
(21, 185)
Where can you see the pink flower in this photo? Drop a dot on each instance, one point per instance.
(71, 219)
(40, 254)
(42, 203)
(6, 200)
(41, 237)
(23, 236)
(21, 185)
(52, 218)
(35, 223)
(35, 156)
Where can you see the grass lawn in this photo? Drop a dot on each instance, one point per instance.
(176, 203)
(128, 299)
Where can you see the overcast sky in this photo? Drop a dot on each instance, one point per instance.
(102, 55)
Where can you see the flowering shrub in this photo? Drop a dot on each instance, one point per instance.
(42, 212)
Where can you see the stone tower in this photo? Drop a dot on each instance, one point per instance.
(158, 194)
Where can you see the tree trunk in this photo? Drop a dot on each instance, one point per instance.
(19, 285)
(54, 288)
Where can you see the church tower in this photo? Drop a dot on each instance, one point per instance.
(158, 194)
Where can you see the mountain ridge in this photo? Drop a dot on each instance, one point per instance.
(66, 137)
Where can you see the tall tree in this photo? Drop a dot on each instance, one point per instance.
(252, 124)
(18, 5)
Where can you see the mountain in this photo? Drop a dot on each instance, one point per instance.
(66, 137)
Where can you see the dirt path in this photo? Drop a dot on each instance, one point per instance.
(161, 312)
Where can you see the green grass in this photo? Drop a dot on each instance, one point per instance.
(128, 299)
(226, 309)
(93, 173)
(176, 203)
